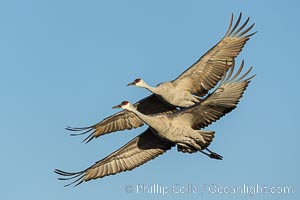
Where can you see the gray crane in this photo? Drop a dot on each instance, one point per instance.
(189, 87)
(181, 128)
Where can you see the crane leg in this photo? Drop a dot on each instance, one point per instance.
(212, 154)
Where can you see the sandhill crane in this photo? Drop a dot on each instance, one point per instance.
(188, 88)
(197, 80)
(181, 128)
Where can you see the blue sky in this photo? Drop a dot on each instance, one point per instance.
(67, 63)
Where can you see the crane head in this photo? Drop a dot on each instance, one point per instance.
(136, 82)
(124, 105)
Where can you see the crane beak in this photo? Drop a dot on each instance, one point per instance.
(131, 84)
(117, 106)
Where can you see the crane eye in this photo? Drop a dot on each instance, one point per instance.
(124, 103)
(137, 80)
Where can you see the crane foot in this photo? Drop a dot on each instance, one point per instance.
(215, 156)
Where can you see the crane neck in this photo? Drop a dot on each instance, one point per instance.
(150, 88)
(145, 118)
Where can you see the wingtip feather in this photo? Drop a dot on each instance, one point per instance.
(78, 176)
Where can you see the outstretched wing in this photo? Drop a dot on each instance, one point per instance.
(138, 151)
(211, 67)
(125, 119)
(223, 100)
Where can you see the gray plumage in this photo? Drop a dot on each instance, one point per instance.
(181, 128)
(195, 82)
(185, 90)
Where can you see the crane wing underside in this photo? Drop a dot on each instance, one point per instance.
(125, 120)
(138, 151)
(205, 73)
(222, 101)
